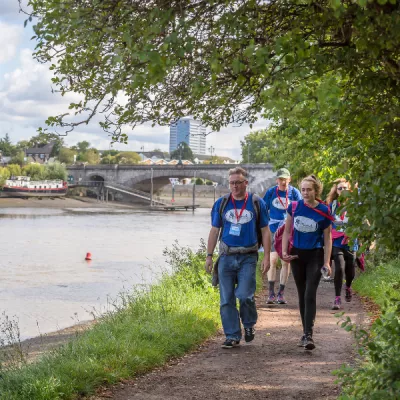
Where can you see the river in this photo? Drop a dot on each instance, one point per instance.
(47, 285)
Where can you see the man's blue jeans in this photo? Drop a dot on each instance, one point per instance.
(240, 269)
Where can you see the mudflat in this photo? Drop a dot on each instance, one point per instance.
(57, 203)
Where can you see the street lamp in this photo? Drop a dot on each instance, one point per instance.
(180, 147)
(211, 149)
(215, 184)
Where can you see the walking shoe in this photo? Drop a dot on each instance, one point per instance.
(309, 343)
(349, 294)
(271, 298)
(230, 343)
(249, 334)
(337, 303)
(281, 299)
(302, 341)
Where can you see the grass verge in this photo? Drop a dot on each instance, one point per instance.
(380, 283)
(148, 327)
(377, 373)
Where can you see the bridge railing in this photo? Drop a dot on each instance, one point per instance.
(127, 188)
(86, 184)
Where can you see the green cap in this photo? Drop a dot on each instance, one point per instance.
(283, 173)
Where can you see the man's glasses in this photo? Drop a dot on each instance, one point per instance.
(235, 183)
(342, 188)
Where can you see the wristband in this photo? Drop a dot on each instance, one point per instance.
(209, 254)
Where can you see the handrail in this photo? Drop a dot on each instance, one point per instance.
(117, 187)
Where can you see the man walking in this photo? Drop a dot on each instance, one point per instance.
(277, 200)
(239, 216)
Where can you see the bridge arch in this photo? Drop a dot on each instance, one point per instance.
(96, 178)
(261, 176)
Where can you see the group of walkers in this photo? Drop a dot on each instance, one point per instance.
(311, 234)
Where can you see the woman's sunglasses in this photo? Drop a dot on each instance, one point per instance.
(342, 188)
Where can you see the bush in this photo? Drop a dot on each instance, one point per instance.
(56, 170)
(377, 373)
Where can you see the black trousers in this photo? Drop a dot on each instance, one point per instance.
(306, 272)
(345, 262)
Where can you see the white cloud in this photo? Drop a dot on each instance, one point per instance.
(26, 101)
(10, 37)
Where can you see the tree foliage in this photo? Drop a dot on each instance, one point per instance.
(81, 147)
(19, 158)
(6, 147)
(259, 147)
(43, 137)
(35, 171)
(183, 152)
(14, 169)
(326, 73)
(48, 171)
(91, 156)
(56, 170)
(214, 160)
(66, 155)
(4, 175)
(128, 157)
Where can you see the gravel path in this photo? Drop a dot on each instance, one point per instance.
(270, 367)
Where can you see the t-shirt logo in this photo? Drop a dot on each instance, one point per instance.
(277, 204)
(305, 225)
(246, 217)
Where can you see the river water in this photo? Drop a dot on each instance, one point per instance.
(45, 282)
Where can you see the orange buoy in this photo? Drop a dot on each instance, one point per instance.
(88, 256)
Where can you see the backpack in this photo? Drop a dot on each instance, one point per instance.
(279, 234)
(256, 205)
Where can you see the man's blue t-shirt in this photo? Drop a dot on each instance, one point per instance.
(309, 226)
(277, 209)
(247, 222)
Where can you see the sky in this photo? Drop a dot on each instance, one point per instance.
(26, 99)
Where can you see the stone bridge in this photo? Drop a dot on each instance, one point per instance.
(139, 177)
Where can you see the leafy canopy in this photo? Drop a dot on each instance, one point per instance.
(326, 73)
(183, 152)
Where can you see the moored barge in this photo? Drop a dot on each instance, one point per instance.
(22, 186)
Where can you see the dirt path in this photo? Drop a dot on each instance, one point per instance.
(271, 367)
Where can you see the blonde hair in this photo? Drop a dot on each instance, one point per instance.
(239, 171)
(317, 184)
(332, 195)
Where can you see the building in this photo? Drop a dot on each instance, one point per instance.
(40, 154)
(205, 159)
(190, 131)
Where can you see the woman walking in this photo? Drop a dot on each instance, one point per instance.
(343, 256)
(310, 221)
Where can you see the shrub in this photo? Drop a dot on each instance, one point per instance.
(377, 374)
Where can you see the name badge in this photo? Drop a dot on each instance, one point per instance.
(235, 229)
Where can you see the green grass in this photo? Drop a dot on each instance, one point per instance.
(164, 321)
(152, 326)
(381, 282)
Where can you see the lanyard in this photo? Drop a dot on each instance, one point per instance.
(243, 207)
(279, 198)
(319, 211)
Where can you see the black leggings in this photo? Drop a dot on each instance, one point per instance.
(306, 272)
(345, 261)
